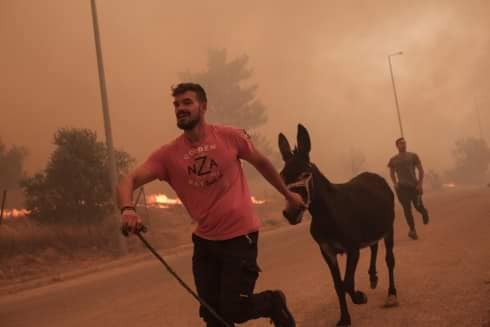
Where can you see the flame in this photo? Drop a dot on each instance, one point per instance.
(450, 185)
(15, 213)
(255, 201)
(162, 201)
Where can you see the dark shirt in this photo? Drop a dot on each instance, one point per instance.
(404, 166)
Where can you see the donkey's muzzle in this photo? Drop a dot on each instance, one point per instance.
(301, 190)
(293, 215)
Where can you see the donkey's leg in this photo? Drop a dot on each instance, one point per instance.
(331, 258)
(390, 262)
(373, 275)
(357, 297)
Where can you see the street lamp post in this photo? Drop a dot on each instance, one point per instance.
(394, 90)
(107, 121)
(477, 109)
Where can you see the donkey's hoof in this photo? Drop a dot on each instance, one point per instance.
(391, 301)
(343, 323)
(373, 282)
(359, 297)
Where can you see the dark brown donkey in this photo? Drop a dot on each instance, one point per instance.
(345, 218)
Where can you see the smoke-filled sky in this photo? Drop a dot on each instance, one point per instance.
(322, 62)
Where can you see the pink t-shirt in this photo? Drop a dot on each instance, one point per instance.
(209, 180)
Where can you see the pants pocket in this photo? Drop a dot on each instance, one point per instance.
(250, 270)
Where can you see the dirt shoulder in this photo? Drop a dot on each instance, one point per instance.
(57, 260)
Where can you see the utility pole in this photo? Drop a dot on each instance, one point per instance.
(4, 197)
(394, 90)
(107, 122)
(477, 109)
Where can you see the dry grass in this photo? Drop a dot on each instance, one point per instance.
(23, 236)
(29, 249)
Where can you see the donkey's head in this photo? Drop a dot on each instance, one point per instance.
(297, 171)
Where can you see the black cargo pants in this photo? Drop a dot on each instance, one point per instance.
(225, 273)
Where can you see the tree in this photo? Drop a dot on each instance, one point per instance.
(472, 157)
(233, 103)
(11, 166)
(75, 186)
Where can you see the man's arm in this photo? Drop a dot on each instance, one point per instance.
(393, 176)
(418, 165)
(421, 176)
(266, 169)
(136, 178)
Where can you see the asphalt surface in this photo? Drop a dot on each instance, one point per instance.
(443, 279)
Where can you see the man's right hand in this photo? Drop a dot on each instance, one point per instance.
(131, 222)
(294, 200)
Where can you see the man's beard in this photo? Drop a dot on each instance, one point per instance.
(189, 124)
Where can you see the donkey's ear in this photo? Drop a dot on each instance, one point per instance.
(284, 147)
(304, 144)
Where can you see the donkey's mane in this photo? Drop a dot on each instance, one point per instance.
(325, 182)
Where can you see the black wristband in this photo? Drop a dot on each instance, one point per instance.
(127, 207)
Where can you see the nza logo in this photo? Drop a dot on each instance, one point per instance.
(202, 166)
(204, 172)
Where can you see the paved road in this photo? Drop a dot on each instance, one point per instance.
(443, 279)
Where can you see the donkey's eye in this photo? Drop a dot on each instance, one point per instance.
(303, 175)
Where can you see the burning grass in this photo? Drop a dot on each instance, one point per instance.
(15, 213)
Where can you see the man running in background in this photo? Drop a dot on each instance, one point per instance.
(408, 187)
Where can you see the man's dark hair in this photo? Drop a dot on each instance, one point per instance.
(399, 140)
(194, 87)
